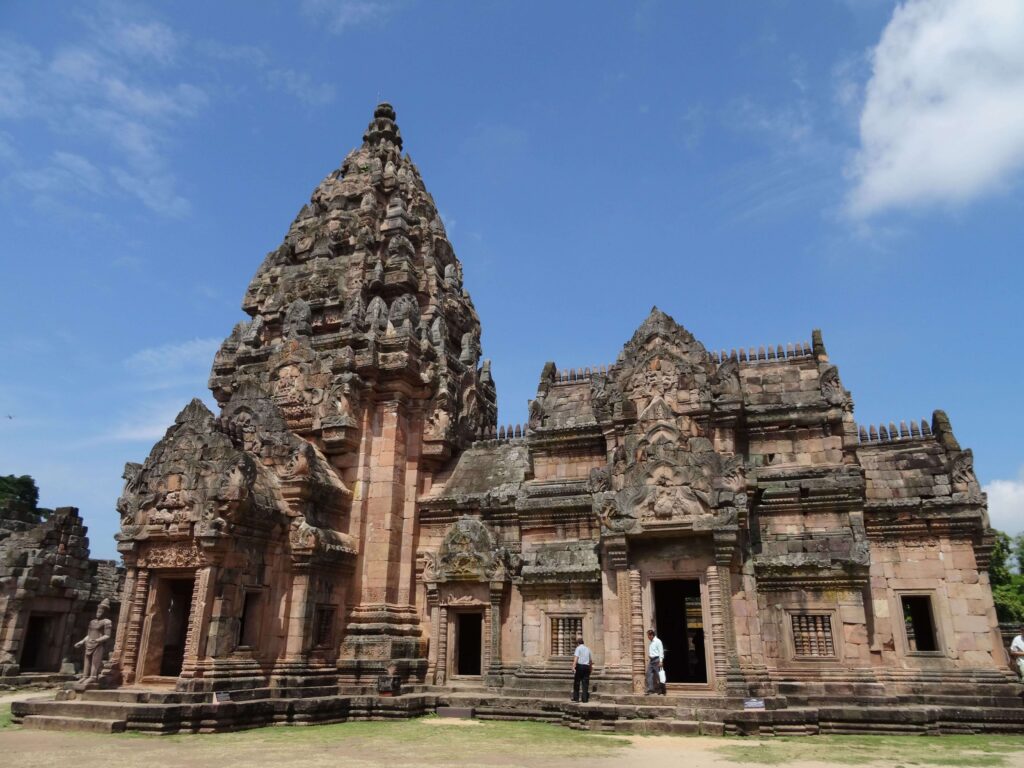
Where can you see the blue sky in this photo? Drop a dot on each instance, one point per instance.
(754, 169)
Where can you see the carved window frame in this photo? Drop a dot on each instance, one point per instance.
(550, 618)
(330, 610)
(831, 614)
(937, 623)
(255, 593)
(812, 604)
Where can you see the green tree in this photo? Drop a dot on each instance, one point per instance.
(1007, 586)
(19, 493)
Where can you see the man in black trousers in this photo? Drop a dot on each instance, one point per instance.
(582, 663)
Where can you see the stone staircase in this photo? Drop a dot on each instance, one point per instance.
(807, 707)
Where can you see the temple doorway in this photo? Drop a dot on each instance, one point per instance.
(469, 643)
(170, 609)
(41, 647)
(679, 618)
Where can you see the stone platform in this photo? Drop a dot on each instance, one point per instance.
(917, 708)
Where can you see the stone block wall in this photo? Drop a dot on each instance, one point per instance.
(945, 570)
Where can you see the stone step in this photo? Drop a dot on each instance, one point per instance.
(80, 709)
(58, 723)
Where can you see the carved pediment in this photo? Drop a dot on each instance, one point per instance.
(667, 475)
(469, 552)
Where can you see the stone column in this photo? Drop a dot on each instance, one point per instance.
(298, 615)
(729, 671)
(636, 631)
(434, 611)
(441, 671)
(135, 617)
(496, 592)
(199, 618)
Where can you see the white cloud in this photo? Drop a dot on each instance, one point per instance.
(341, 15)
(144, 422)
(301, 86)
(943, 115)
(1006, 504)
(174, 358)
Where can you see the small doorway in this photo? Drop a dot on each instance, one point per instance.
(469, 643)
(680, 622)
(41, 646)
(168, 627)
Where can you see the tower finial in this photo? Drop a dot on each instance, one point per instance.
(383, 127)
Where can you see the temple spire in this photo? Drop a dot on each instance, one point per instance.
(383, 127)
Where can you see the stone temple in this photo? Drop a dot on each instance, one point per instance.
(350, 535)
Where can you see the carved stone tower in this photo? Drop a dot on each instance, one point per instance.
(364, 336)
(358, 375)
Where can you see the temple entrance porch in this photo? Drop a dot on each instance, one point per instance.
(166, 626)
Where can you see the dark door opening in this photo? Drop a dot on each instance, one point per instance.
(469, 643)
(176, 612)
(680, 624)
(39, 648)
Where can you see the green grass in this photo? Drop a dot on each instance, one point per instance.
(429, 735)
(5, 716)
(897, 751)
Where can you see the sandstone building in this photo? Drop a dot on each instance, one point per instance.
(351, 510)
(49, 589)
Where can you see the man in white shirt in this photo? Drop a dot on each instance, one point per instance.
(655, 658)
(582, 663)
(1017, 652)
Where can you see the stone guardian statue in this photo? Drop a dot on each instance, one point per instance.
(95, 642)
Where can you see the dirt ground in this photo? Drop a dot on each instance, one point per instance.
(440, 742)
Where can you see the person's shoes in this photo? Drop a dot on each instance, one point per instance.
(573, 698)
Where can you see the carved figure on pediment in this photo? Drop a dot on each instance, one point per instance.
(128, 503)
(181, 554)
(962, 471)
(470, 347)
(451, 278)
(301, 535)
(612, 515)
(400, 251)
(300, 463)
(241, 427)
(657, 411)
(439, 333)
(832, 388)
(234, 491)
(600, 480)
(469, 552)
(428, 566)
(729, 475)
(726, 380)
(405, 314)
(658, 378)
(665, 501)
(536, 413)
(355, 314)
(439, 422)
(600, 397)
(377, 315)
(252, 333)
